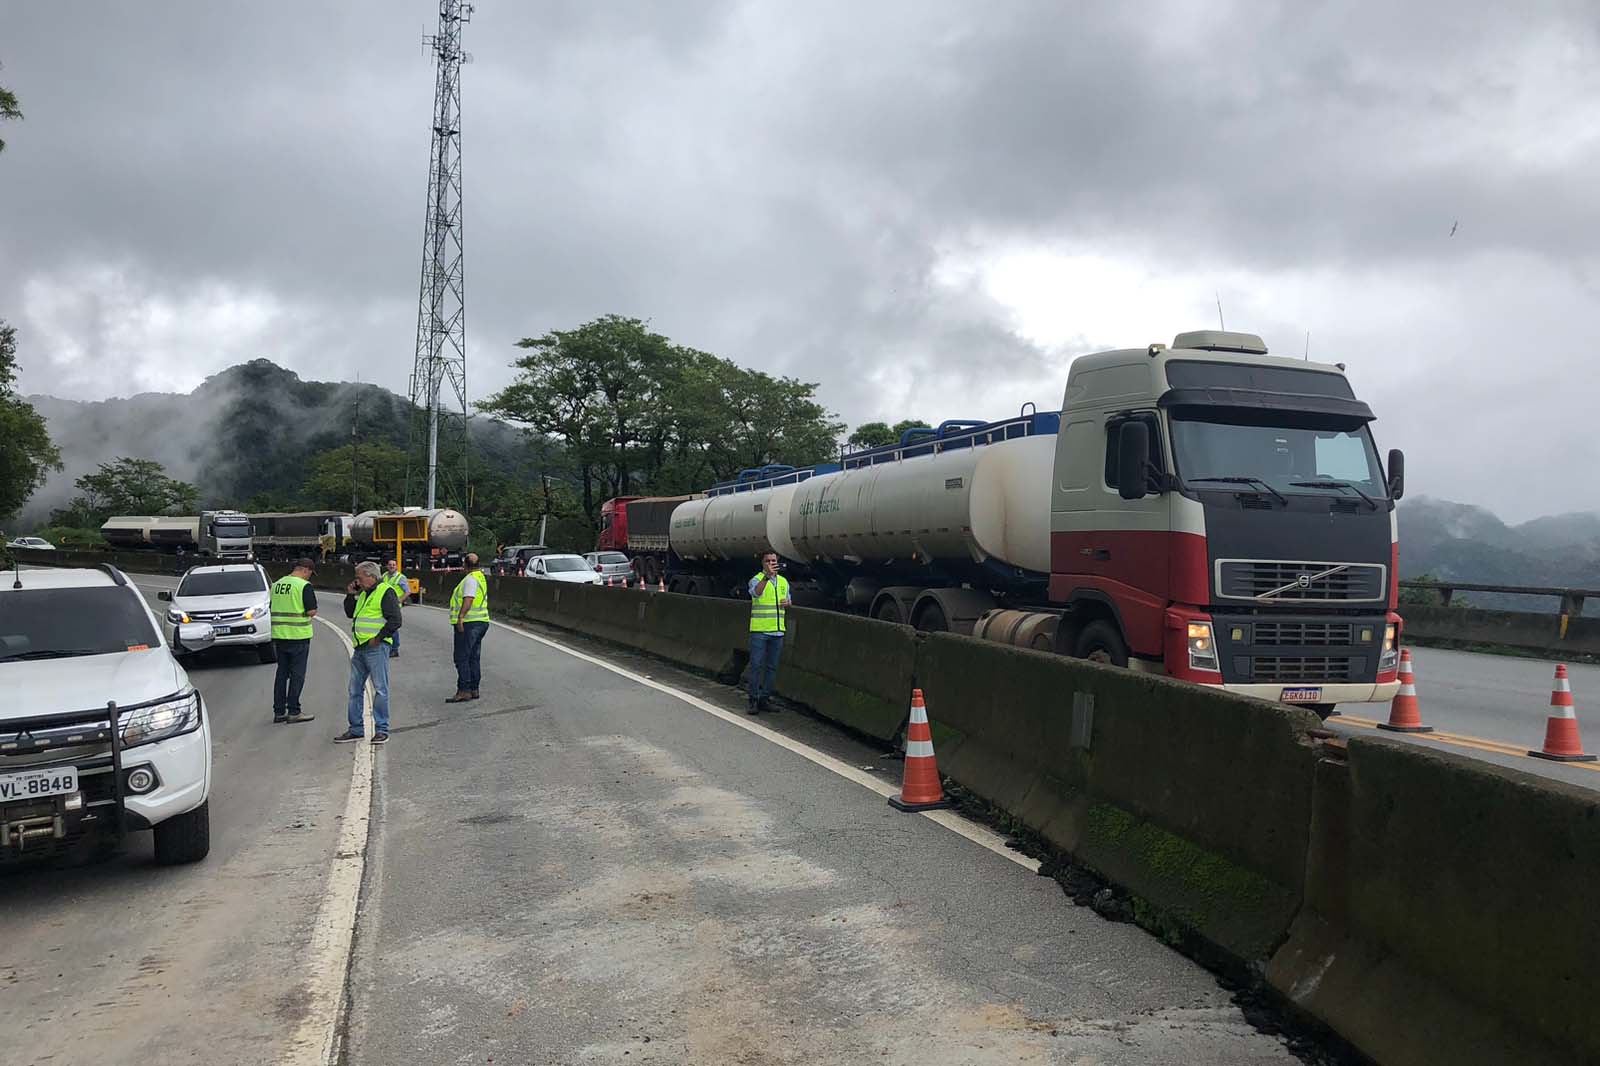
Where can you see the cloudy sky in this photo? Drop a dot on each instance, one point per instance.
(929, 208)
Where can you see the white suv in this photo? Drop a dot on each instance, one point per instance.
(101, 732)
(235, 599)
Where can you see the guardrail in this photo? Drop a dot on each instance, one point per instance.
(1571, 599)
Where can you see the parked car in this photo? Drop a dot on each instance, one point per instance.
(611, 566)
(34, 543)
(101, 730)
(573, 569)
(515, 559)
(235, 599)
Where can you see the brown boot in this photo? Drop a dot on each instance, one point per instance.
(473, 694)
(459, 697)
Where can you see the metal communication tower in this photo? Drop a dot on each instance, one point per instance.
(439, 376)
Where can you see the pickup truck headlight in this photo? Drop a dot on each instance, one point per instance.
(161, 721)
(177, 617)
(1202, 648)
(1391, 651)
(258, 611)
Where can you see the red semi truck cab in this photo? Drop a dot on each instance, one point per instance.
(614, 524)
(1223, 516)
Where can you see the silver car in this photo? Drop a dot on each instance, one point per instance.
(234, 599)
(610, 566)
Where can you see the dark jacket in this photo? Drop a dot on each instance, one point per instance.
(390, 605)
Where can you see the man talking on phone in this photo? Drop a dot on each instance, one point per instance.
(373, 608)
(769, 602)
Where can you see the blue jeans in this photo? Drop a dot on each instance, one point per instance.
(765, 648)
(469, 655)
(293, 655)
(394, 649)
(370, 663)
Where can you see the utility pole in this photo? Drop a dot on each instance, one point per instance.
(355, 455)
(439, 422)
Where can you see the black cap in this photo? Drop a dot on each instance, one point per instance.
(305, 563)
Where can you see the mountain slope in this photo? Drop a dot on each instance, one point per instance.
(246, 431)
(1460, 542)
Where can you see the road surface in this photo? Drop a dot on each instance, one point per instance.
(1492, 707)
(129, 962)
(581, 867)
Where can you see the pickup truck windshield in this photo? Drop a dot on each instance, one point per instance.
(60, 623)
(1288, 459)
(221, 583)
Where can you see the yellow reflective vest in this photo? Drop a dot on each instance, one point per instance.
(367, 622)
(288, 607)
(767, 610)
(479, 611)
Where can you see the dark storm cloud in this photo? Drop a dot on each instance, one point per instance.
(824, 191)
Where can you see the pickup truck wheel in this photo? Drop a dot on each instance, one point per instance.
(267, 652)
(185, 838)
(1100, 642)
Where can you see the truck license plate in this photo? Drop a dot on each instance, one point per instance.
(38, 784)
(1300, 695)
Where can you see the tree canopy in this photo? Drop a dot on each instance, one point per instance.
(9, 109)
(881, 434)
(27, 455)
(632, 413)
(126, 486)
(379, 470)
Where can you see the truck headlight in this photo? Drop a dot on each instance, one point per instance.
(177, 617)
(258, 611)
(1391, 650)
(161, 721)
(1202, 648)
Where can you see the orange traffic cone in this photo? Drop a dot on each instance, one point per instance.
(661, 584)
(1405, 714)
(920, 790)
(1561, 741)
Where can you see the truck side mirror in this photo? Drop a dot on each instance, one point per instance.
(164, 594)
(1397, 473)
(1133, 460)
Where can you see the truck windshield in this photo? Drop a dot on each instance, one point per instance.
(221, 583)
(234, 528)
(61, 623)
(1288, 459)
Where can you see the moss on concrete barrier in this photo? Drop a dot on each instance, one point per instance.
(848, 669)
(1450, 911)
(1197, 801)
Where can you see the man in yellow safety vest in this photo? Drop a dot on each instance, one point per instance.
(469, 617)
(293, 606)
(374, 613)
(402, 588)
(769, 603)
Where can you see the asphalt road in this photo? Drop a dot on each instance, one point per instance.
(129, 962)
(1492, 707)
(580, 867)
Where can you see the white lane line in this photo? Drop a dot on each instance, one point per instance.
(978, 834)
(316, 1041)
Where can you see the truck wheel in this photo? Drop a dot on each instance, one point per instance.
(186, 838)
(889, 611)
(267, 652)
(932, 620)
(1100, 642)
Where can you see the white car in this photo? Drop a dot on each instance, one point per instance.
(101, 731)
(572, 569)
(235, 599)
(35, 543)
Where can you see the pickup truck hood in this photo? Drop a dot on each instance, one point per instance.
(60, 686)
(233, 601)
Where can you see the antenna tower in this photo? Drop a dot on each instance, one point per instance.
(439, 376)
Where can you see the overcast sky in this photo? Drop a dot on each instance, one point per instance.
(928, 208)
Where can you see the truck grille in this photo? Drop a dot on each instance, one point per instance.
(1295, 669)
(1304, 634)
(1274, 581)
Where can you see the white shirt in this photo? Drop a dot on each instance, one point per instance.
(469, 587)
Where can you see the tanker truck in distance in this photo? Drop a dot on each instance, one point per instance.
(440, 537)
(1206, 511)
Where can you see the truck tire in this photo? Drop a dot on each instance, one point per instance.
(889, 611)
(1100, 641)
(931, 619)
(267, 652)
(185, 838)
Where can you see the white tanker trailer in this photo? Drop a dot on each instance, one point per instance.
(441, 547)
(1205, 510)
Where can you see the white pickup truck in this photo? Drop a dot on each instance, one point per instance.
(101, 731)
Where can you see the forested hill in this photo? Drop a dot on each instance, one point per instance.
(246, 437)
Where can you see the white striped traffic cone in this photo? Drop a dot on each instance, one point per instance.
(1561, 741)
(920, 790)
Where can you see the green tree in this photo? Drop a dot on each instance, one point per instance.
(1429, 597)
(27, 455)
(623, 411)
(377, 469)
(126, 487)
(9, 109)
(871, 435)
